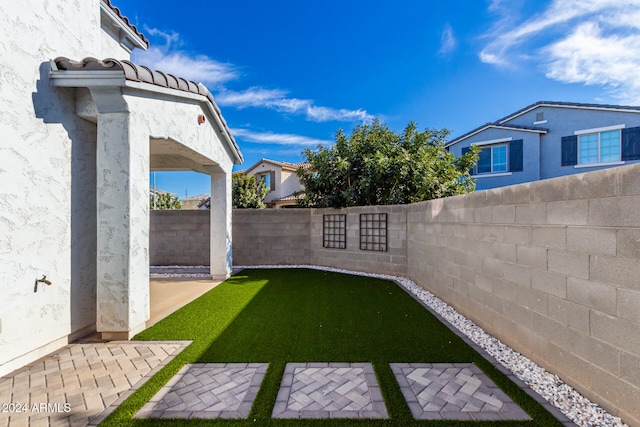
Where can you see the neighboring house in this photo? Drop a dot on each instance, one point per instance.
(80, 137)
(281, 179)
(194, 202)
(159, 192)
(550, 139)
(153, 192)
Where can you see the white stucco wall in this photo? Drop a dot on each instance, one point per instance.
(290, 183)
(47, 179)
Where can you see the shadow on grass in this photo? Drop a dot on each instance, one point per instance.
(278, 316)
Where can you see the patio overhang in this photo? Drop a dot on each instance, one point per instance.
(145, 120)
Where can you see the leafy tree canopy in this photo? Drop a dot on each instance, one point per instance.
(377, 166)
(165, 201)
(248, 193)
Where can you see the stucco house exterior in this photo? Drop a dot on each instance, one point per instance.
(80, 136)
(281, 179)
(551, 139)
(194, 202)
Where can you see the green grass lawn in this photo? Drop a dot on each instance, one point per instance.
(279, 316)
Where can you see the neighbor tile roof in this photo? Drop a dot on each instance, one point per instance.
(140, 73)
(581, 105)
(496, 125)
(293, 167)
(125, 20)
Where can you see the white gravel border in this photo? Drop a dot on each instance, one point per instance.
(569, 401)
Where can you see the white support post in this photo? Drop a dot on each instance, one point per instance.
(220, 257)
(122, 288)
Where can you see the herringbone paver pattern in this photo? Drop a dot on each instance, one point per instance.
(329, 390)
(453, 391)
(207, 390)
(81, 383)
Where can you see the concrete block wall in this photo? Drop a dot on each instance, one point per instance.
(392, 261)
(271, 236)
(179, 237)
(552, 268)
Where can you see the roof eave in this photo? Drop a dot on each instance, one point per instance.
(494, 126)
(133, 38)
(116, 78)
(598, 107)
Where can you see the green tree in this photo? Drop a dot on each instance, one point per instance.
(165, 201)
(248, 193)
(377, 166)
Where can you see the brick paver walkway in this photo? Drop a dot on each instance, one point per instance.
(81, 383)
(329, 390)
(460, 391)
(207, 390)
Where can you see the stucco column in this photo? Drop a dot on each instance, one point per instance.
(122, 164)
(220, 225)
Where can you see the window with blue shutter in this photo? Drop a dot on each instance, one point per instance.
(498, 158)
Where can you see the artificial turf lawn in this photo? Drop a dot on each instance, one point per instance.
(299, 315)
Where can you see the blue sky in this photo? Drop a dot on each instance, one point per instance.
(288, 74)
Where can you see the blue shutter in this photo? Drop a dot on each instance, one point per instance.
(465, 150)
(515, 155)
(569, 149)
(631, 144)
(484, 160)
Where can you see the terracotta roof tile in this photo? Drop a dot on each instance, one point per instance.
(126, 21)
(140, 73)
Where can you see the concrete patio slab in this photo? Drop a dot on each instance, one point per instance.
(168, 294)
(453, 391)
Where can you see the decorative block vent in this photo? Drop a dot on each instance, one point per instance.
(373, 232)
(334, 231)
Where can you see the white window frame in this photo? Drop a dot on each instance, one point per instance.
(598, 131)
(491, 145)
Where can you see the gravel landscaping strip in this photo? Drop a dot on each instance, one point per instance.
(569, 401)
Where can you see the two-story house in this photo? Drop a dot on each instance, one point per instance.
(550, 139)
(281, 179)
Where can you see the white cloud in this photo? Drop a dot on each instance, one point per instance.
(277, 100)
(448, 42)
(278, 138)
(168, 58)
(593, 42)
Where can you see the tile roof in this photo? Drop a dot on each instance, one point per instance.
(290, 197)
(293, 167)
(496, 125)
(125, 20)
(140, 73)
(580, 105)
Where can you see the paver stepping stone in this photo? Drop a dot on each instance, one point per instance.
(207, 390)
(440, 391)
(329, 390)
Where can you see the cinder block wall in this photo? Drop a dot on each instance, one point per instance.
(392, 261)
(179, 237)
(551, 268)
(271, 236)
